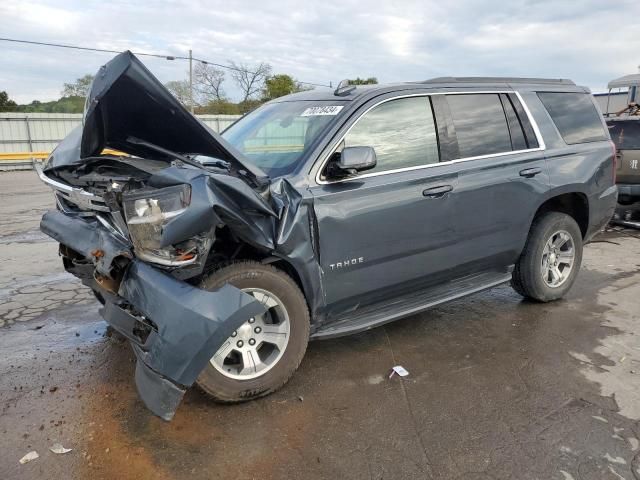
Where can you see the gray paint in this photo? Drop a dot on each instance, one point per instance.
(373, 240)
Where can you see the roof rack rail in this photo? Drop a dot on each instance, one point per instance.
(561, 81)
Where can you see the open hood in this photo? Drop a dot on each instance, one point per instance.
(126, 100)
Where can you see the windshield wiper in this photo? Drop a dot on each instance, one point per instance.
(159, 149)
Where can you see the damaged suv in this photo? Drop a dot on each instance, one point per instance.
(317, 215)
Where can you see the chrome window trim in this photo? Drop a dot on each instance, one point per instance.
(534, 125)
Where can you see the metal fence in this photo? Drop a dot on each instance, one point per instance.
(25, 133)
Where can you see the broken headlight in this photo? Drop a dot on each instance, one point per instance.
(147, 212)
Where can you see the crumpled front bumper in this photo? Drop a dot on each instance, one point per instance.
(188, 325)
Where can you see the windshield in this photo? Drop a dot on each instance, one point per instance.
(276, 136)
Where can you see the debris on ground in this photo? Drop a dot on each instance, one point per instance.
(59, 449)
(400, 370)
(28, 457)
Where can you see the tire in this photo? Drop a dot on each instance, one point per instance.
(222, 382)
(533, 280)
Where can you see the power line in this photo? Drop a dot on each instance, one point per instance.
(155, 55)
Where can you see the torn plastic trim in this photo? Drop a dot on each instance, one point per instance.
(87, 237)
(159, 395)
(189, 326)
(192, 323)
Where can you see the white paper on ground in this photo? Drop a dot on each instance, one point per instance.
(58, 448)
(400, 370)
(28, 457)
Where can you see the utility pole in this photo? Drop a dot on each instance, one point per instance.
(191, 79)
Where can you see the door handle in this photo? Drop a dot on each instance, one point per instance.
(437, 192)
(530, 172)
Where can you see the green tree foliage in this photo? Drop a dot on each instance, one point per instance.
(6, 104)
(219, 107)
(363, 81)
(63, 105)
(79, 88)
(280, 85)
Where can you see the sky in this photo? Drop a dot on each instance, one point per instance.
(590, 42)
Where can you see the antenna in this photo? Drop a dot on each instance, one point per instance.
(344, 88)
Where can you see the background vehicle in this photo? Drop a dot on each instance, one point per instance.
(624, 128)
(318, 215)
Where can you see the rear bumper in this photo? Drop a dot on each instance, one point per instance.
(601, 210)
(629, 190)
(174, 328)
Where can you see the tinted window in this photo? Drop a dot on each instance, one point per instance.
(480, 123)
(523, 118)
(626, 135)
(575, 116)
(402, 132)
(518, 140)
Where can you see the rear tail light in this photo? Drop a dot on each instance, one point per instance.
(615, 161)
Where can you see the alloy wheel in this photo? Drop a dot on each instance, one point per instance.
(258, 344)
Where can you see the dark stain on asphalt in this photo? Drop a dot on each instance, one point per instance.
(492, 393)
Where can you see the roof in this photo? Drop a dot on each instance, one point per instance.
(325, 94)
(626, 81)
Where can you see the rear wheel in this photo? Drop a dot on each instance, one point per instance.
(551, 258)
(263, 353)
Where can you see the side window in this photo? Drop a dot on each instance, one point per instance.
(402, 132)
(523, 119)
(575, 116)
(480, 123)
(518, 140)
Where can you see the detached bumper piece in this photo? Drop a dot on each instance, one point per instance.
(174, 328)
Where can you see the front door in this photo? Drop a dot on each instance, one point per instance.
(389, 229)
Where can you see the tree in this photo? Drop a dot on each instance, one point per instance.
(180, 90)
(6, 104)
(250, 80)
(208, 82)
(79, 88)
(363, 81)
(280, 85)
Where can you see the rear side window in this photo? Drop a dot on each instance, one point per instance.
(401, 131)
(575, 116)
(480, 124)
(626, 135)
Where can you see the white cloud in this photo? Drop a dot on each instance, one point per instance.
(391, 39)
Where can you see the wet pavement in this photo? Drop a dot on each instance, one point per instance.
(498, 387)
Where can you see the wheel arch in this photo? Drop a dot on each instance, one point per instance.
(574, 203)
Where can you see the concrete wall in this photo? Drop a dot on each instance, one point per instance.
(41, 132)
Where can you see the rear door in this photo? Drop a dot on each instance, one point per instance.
(384, 231)
(501, 178)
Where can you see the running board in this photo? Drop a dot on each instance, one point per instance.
(380, 313)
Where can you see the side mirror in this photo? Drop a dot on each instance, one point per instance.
(352, 160)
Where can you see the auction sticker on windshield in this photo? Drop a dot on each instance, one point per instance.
(327, 110)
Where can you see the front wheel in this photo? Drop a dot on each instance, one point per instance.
(551, 258)
(263, 353)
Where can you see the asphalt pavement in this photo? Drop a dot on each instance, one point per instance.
(498, 387)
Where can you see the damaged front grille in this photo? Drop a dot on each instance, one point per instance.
(74, 200)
